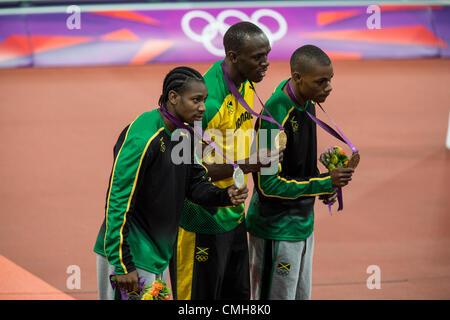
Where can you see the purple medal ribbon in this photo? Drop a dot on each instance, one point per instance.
(340, 200)
(194, 130)
(123, 292)
(328, 129)
(175, 120)
(235, 92)
(322, 124)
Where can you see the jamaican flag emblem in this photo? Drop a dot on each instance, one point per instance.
(201, 254)
(283, 268)
(230, 107)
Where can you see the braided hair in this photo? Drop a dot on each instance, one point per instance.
(176, 80)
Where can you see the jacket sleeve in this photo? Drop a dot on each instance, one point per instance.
(289, 188)
(124, 183)
(200, 190)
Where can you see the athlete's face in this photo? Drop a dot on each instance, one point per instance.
(316, 83)
(252, 61)
(189, 106)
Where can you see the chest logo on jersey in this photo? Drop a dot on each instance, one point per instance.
(230, 108)
(242, 118)
(163, 146)
(294, 125)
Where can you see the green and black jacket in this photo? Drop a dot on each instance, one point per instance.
(282, 204)
(145, 197)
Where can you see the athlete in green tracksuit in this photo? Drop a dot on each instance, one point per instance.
(147, 188)
(280, 217)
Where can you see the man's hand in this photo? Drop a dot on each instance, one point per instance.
(128, 281)
(238, 196)
(341, 176)
(329, 198)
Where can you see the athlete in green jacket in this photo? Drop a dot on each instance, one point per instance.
(280, 217)
(148, 186)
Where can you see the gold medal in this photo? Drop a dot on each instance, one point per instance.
(281, 140)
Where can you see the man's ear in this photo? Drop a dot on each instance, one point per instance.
(232, 56)
(173, 97)
(296, 77)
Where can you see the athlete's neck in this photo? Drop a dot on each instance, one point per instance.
(169, 124)
(301, 99)
(234, 74)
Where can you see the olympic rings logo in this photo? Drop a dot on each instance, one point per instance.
(201, 258)
(218, 25)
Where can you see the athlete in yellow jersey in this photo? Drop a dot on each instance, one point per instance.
(211, 261)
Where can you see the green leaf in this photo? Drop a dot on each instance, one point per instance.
(334, 159)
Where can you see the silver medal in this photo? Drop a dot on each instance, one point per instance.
(238, 177)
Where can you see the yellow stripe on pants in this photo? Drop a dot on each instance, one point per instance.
(185, 263)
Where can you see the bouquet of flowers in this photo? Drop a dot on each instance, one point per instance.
(334, 157)
(157, 291)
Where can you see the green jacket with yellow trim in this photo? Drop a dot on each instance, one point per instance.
(282, 204)
(225, 121)
(146, 194)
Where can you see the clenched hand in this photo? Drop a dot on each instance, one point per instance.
(238, 196)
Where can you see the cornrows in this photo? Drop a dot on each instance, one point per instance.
(176, 80)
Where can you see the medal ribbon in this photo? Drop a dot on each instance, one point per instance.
(235, 92)
(320, 123)
(177, 122)
(328, 129)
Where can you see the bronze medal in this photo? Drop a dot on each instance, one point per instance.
(354, 160)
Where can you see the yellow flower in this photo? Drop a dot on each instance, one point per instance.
(147, 296)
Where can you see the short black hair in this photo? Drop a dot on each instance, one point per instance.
(302, 57)
(234, 38)
(176, 80)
